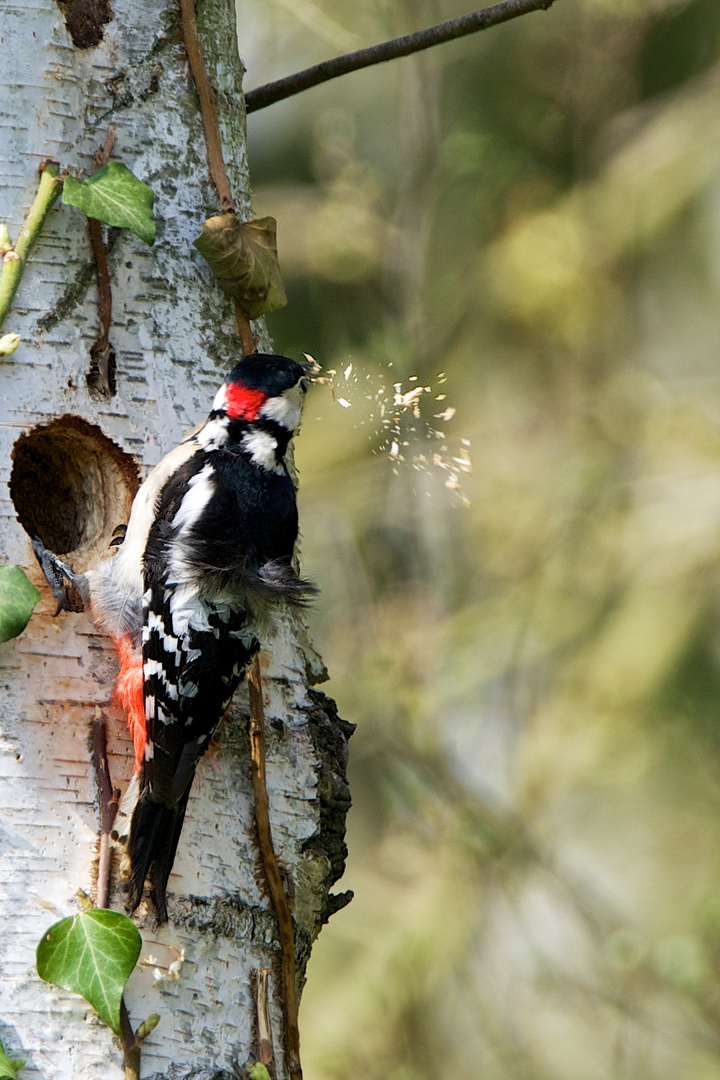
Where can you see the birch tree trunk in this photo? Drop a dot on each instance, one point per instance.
(68, 472)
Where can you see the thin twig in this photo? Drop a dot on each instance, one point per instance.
(103, 277)
(243, 331)
(272, 870)
(131, 1048)
(109, 799)
(15, 260)
(211, 126)
(266, 95)
(101, 376)
(264, 1028)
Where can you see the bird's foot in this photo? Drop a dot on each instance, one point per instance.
(118, 535)
(58, 575)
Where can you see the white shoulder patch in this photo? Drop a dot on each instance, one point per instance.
(262, 448)
(213, 434)
(200, 490)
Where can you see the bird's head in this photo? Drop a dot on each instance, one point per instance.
(264, 387)
(258, 408)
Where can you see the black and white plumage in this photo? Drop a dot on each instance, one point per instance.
(206, 556)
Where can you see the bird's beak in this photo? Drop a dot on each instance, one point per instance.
(310, 366)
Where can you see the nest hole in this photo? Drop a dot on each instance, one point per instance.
(72, 486)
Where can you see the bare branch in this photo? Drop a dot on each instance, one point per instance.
(390, 50)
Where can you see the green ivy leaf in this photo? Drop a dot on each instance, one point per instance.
(18, 597)
(93, 954)
(115, 196)
(243, 257)
(9, 1067)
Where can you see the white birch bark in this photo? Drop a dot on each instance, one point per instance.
(174, 339)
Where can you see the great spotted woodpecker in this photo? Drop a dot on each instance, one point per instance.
(206, 555)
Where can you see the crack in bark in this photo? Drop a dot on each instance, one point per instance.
(226, 916)
(330, 735)
(179, 1072)
(77, 290)
(73, 295)
(142, 80)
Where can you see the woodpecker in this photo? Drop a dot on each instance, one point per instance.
(205, 558)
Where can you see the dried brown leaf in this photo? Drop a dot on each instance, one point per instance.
(243, 257)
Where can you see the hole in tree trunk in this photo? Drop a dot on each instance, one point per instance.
(72, 486)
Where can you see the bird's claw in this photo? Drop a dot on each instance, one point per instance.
(118, 535)
(61, 578)
(53, 569)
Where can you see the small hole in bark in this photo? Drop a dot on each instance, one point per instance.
(72, 486)
(85, 20)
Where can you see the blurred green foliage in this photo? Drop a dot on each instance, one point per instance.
(535, 838)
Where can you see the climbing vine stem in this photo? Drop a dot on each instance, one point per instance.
(15, 259)
(101, 376)
(208, 110)
(270, 866)
(244, 331)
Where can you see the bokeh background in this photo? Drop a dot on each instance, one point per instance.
(527, 224)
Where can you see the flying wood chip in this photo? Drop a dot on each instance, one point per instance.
(243, 257)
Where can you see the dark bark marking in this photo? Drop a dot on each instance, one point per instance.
(330, 735)
(85, 20)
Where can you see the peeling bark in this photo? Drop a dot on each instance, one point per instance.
(174, 337)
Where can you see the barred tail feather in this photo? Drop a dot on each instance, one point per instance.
(154, 834)
(146, 831)
(162, 861)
